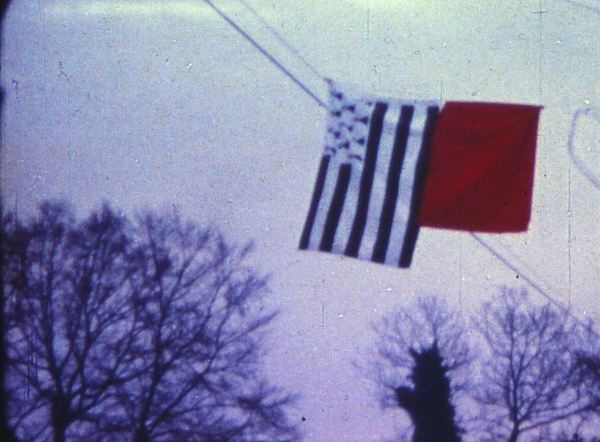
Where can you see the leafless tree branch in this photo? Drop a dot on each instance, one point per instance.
(144, 330)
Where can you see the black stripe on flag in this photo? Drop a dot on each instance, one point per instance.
(412, 228)
(392, 185)
(314, 204)
(366, 181)
(335, 209)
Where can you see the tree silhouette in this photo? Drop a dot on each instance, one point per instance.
(5, 429)
(201, 329)
(527, 379)
(149, 330)
(66, 318)
(536, 375)
(410, 342)
(429, 402)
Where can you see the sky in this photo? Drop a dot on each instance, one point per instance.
(163, 105)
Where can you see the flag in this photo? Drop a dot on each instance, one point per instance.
(480, 173)
(367, 194)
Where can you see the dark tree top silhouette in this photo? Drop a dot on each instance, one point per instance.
(144, 330)
(412, 330)
(419, 326)
(429, 402)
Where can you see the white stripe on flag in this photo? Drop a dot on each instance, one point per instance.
(384, 155)
(407, 178)
(347, 218)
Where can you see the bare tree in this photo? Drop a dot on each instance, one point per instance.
(67, 319)
(5, 427)
(202, 323)
(412, 331)
(588, 373)
(527, 378)
(587, 365)
(140, 331)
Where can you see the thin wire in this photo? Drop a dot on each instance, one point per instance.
(511, 266)
(514, 257)
(531, 282)
(266, 54)
(281, 40)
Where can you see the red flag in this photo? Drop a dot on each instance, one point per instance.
(480, 174)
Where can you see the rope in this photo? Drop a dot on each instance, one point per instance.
(281, 40)
(513, 257)
(512, 267)
(571, 148)
(531, 282)
(264, 52)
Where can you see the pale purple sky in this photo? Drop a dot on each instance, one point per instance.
(151, 104)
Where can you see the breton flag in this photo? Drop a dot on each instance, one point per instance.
(366, 199)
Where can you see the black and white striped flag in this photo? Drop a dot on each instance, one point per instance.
(366, 198)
